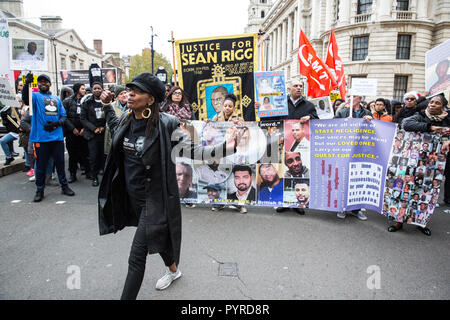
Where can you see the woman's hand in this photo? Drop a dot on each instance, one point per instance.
(305, 119)
(106, 97)
(438, 130)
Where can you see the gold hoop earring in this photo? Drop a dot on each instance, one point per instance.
(149, 113)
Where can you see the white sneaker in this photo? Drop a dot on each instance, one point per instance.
(243, 210)
(361, 216)
(33, 178)
(167, 279)
(341, 215)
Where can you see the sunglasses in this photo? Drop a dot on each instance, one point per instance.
(410, 99)
(291, 160)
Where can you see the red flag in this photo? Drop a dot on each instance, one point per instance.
(320, 80)
(335, 62)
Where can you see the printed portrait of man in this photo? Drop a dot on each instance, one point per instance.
(300, 140)
(213, 192)
(243, 179)
(302, 194)
(296, 169)
(184, 174)
(271, 188)
(30, 54)
(218, 98)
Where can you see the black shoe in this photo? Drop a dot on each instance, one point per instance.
(425, 231)
(72, 179)
(67, 191)
(95, 182)
(282, 209)
(299, 211)
(26, 169)
(14, 154)
(395, 227)
(89, 176)
(39, 196)
(8, 161)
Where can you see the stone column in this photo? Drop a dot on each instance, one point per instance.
(422, 9)
(279, 45)
(329, 17)
(344, 12)
(274, 48)
(283, 41)
(384, 10)
(315, 19)
(289, 35)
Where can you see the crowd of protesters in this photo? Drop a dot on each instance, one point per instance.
(78, 116)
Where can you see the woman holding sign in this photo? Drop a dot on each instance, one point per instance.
(139, 187)
(433, 119)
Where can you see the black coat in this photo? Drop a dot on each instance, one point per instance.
(421, 123)
(345, 113)
(89, 119)
(73, 120)
(115, 211)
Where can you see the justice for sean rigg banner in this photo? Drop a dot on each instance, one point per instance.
(210, 68)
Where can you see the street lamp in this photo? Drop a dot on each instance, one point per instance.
(151, 45)
(56, 64)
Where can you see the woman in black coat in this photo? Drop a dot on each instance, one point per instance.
(434, 119)
(139, 187)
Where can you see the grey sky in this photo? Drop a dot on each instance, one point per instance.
(124, 26)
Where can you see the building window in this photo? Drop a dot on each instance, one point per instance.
(403, 46)
(81, 65)
(71, 38)
(72, 65)
(263, 1)
(263, 14)
(360, 48)
(364, 6)
(337, 9)
(400, 87)
(63, 63)
(402, 5)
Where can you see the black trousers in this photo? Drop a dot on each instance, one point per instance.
(43, 151)
(138, 256)
(77, 147)
(96, 153)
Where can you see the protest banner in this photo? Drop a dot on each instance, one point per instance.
(210, 68)
(334, 95)
(29, 54)
(70, 77)
(323, 107)
(437, 69)
(332, 165)
(7, 95)
(34, 84)
(270, 93)
(415, 173)
(5, 69)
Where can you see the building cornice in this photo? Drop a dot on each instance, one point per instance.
(275, 12)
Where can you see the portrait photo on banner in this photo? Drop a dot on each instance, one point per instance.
(437, 64)
(297, 192)
(215, 98)
(324, 107)
(415, 173)
(270, 184)
(29, 54)
(187, 180)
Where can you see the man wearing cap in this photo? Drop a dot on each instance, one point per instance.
(213, 192)
(47, 133)
(75, 143)
(119, 106)
(139, 187)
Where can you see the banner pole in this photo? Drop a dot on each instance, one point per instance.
(261, 49)
(351, 105)
(174, 63)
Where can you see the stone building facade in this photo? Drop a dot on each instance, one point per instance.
(382, 39)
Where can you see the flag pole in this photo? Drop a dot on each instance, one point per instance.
(173, 61)
(260, 34)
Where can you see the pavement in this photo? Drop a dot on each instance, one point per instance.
(52, 250)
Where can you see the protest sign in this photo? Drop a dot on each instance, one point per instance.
(348, 163)
(29, 54)
(415, 173)
(5, 69)
(332, 165)
(364, 87)
(70, 77)
(437, 69)
(324, 108)
(34, 85)
(7, 96)
(210, 68)
(270, 93)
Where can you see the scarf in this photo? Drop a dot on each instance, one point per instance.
(436, 118)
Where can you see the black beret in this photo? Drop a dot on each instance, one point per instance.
(149, 83)
(44, 76)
